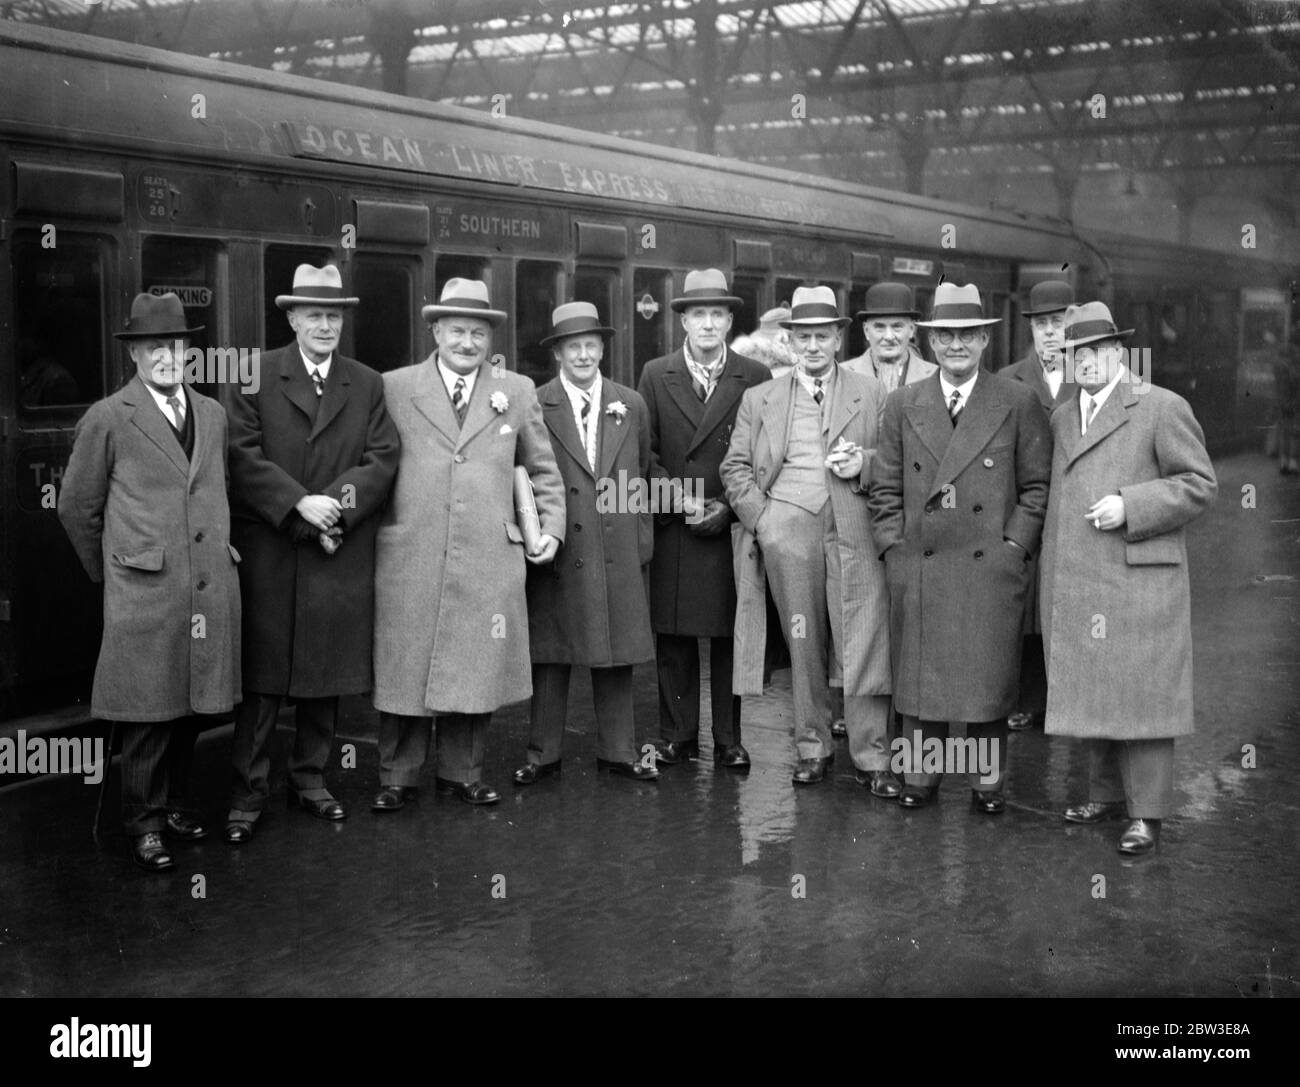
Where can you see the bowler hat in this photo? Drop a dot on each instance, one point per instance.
(888, 300)
(315, 287)
(1050, 296)
(957, 307)
(705, 288)
(464, 298)
(574, 319)
(814, 306)
(1090, 323)
(156, 317)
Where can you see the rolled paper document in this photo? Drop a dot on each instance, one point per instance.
(530, 525)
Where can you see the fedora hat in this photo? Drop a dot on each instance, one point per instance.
(464, 298)
(1089, 323)
(957, 307)
(814, 306)
(1050, 296)
(156, 317)
(888, 300)
(705, 288)
(315, 287)
(772, 319)
(573, 319)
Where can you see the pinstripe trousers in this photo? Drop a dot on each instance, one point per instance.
(155, 767)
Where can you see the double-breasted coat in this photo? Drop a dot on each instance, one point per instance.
(154, 528)
(944, 501)
(588, 607)
(451, 620)
(1029, 370)
(751, 467)
(1116, 606)
(692, 587)
(308, 626)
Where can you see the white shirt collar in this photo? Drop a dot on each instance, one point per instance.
(575, 394)
(807, 382)
(323, 367)
(1100, 396)
(964, 388)
(449, 378)
(161, 400)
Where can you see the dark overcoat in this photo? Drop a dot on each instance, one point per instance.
(751, 467)
(1116, 605)
(451, 619)
(154, 528)
(944, 502)
(589, 606)
(692, 588)
(308, 615)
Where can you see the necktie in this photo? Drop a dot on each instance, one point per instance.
(954, 406)
(1091, 412)
(318, 381)
(586, 432)
(701, 390)
(819, 394)
(458, 399)
(175, 405)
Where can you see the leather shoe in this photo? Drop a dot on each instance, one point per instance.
(839, 729)
(392, 797)
(239, 826)
(150, 854)
(1018, 722)
(811, 771)
(671, 752)
(990, 803)
(916, 796)
(324, 808)
(1141, 836)
(182, 826)
(533, 772)
(732, 757)
(881, 782)
(633, 770)
(1096, 812)
(472, 792)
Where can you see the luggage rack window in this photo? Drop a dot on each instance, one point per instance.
(278, 266)
(382, 324)
(536, 294)
(192, 269)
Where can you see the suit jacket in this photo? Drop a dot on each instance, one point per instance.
(751, 467)
(692, 589)
(451, 621)
(154, 527)
(1131, 677)
(589, 606)
(918, 369)
(943, 502)
(308, 631)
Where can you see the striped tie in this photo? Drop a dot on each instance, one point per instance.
(458, 399)
(1093, 407)
(586, 434)
(318, 381)
(819, 394)
(954, 406)
(175, 405)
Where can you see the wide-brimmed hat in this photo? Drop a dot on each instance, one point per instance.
(1050, 296)
(316, 287)
(705, 287)
(464, 298)
(957, 307)
(1089, 323)
(156, 316)
(888, 300)
(574, 319)
(814, 306)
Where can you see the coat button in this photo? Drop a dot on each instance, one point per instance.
(977, 509)
(577, 528)
(979, 554)
(573, 490)
(928, 553)
(198, 537)
(916, 466)
(202, 585)
(578, 564)
(460, 458)
(988, 462)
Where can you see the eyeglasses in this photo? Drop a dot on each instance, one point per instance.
(967, 335)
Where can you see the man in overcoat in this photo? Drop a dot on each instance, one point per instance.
(588, 606)
(889, 317)
(144, 503)
(1042, 369)
(957, 497)
(795, 475)
(692, 396)
(451, 621)
(312, 459)
(1129, 473)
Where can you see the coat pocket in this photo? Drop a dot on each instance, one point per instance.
(147, 558)
(1157, 551)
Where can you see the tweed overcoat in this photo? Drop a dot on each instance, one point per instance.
(155, 530)
(944, 502)
(309, 616)
(751, 467)
(589, 606)
(451, 620)
(692, 587)
(1116, 605)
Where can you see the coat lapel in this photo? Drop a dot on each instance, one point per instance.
(480, 411)
(774, 418)
(335, 397)
(979, 421)
(295, 384)
(677, 380)
(845, 404)
(1112, 416)
(613, 431)
(557, 412)
(150, 420)
(202, 433)
(431, 400)
(929, 417)
(721, 405)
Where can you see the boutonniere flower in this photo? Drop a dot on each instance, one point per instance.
(618, 410)
(499, 401)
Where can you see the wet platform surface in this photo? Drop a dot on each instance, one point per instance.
(685, 887)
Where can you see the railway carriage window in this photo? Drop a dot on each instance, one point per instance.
(536, 295)
(278, 266)
(457, 267)
(189, 267)
(855, 341)
(650, 328)
(58, 321)
(785, 286)
(599, 286)
(382, 323)
(749, 289)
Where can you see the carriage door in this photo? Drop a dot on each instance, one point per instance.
(651, 328)
(601, 250)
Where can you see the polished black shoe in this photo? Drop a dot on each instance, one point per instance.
(150, 854)
(882, 783)
(990, 803)
(472, 792)
(1095, 812)
(324, 808)
(240, 825)
(392, 797)
(916, 796)
(533, 772)
(634, 770)
(671, 752)
(839, 729)
(182, 826)
(811, 771)
(1018, 722)
(731, 757)
(1141, 836)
